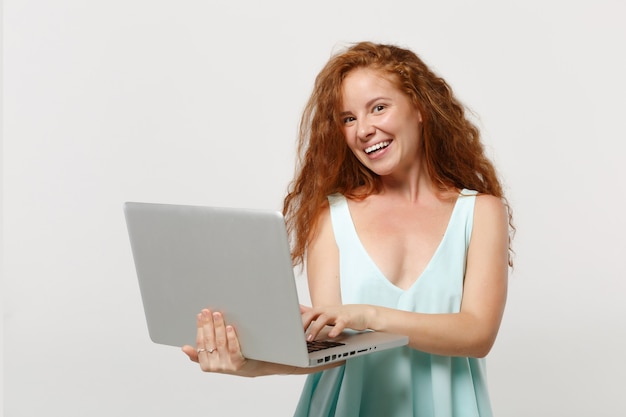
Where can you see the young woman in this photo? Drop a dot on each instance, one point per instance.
(403, 227)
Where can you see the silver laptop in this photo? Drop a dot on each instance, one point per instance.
(236, 261)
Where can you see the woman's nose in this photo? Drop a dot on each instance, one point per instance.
(365, 130)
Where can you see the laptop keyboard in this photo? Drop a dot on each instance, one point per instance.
(317, 345)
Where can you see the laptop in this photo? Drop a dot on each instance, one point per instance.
(236, 261)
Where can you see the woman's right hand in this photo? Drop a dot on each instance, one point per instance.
(217, 346)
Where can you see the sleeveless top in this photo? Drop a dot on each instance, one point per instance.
(401, 382)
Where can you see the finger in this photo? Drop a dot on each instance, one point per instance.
(339, 327)
(208, 331)
(308, 317)
(220, 332)
(233, 341)
(236, 355)
(306, 321)
(191, 353)
(316, 326)
(199, 332)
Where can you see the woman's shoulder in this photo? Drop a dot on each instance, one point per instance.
(488, 204)
(490, 214)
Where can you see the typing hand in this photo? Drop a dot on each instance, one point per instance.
(341, 317)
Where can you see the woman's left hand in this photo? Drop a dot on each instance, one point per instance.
(217, 346)
(341, 317)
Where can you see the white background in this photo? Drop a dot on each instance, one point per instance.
(198, 102)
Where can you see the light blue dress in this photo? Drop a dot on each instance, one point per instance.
(401, 382)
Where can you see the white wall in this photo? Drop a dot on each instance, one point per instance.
(198, 101)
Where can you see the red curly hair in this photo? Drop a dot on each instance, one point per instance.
(453, 153)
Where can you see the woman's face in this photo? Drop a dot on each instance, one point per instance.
(381, 125)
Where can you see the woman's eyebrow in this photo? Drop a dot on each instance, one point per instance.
(368, 104)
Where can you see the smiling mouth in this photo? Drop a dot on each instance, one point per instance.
(377, 147)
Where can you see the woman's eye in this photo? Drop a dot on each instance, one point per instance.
(378, 108)
(348, 119)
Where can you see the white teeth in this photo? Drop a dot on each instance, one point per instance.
(377, 146)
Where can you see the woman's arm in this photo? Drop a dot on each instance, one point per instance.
(322, 262)
(471, 332)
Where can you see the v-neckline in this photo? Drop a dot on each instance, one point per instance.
(418, 279)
